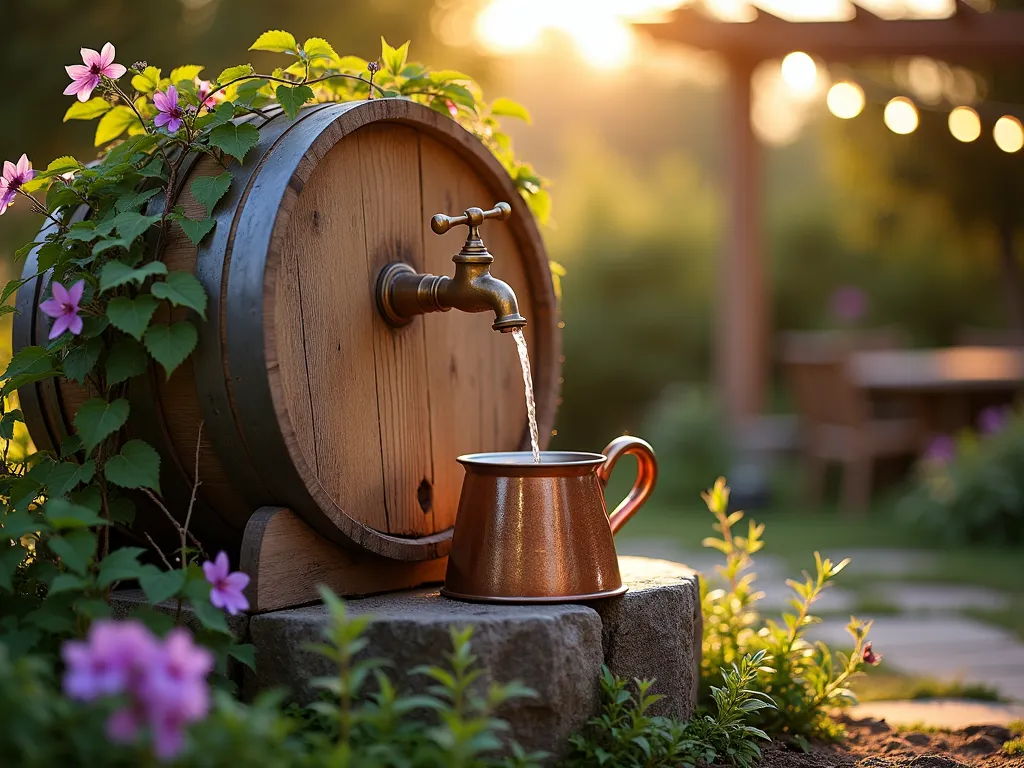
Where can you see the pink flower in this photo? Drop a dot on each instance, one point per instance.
(168, 111)
(994, 419)
(13, 178)
(85, 77)
(452, 109)
(206, 95)
(107, 662)
(870, 657)
(849, 303)
(164, 683)
(941, 450)
(63, 308)
(226, 591)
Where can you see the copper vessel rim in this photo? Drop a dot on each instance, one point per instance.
(519, 460)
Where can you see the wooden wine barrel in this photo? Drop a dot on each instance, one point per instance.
(307, 397)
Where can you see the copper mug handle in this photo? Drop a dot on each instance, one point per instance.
(647, 474)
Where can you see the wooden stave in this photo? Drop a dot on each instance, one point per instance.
(214, 364)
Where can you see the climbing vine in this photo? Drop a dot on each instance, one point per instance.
(115, 309)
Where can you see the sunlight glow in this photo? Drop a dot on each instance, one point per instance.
(800, 72)
(964, 124)
(901, 115)
(845, 100)
(1008, 133)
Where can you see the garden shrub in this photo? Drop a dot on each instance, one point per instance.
(804, 679)
(971, 488)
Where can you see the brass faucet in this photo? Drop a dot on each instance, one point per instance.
(403, 293)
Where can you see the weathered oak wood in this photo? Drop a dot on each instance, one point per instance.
(286, 560)
(308, 398)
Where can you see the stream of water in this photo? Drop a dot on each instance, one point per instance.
(531, 404)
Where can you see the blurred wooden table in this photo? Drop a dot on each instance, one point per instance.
(947, 386)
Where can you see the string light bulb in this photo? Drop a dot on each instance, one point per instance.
(845, 99)
(901, 115)
(1008, 133)
(799, 72)
(964, 124)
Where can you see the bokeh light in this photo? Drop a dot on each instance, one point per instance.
(800, 72)
(964, 124)
(845, 99)
(901, 115)
(1008, 133)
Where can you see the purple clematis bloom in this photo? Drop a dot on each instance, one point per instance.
(15, 175)
(849, 303)
(108, 661)
(164, 683)
(226, 588)
(86, 77)
(994, 419)
(168, 111)
(63, 307)
(941, 450)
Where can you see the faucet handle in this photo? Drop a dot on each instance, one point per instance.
(472, 218)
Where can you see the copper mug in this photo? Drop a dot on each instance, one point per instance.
(540, 533)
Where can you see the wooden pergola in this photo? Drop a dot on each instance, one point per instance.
(743, 353)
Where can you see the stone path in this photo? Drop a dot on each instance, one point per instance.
(947, 713)
(927, 636)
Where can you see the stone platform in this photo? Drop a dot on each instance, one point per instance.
(653, 631)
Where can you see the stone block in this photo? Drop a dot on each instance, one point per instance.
(124, 600)
(555, 650)
(654, 631)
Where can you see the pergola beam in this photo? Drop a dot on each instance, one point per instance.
(965, 37)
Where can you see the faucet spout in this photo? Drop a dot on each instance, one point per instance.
(403, 293)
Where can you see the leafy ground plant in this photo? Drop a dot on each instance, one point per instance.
(625, 735)
(806, 679)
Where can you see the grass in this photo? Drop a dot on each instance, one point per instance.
(1011, 617)
(882, 685)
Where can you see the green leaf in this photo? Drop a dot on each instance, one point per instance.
(115, 273)
(119, 565)
(131, 224)
(122, 510)
(153, 170)
(245, 653)
(275, 41)
(171, 344)
(235, 140)
(48, 256)
(8, 421)
(148, 81)
(182, 289)
(352, 64)
(394, 58)
(161, 585)
(188, 72)
(132, 315)
(97, 419)
(318, 48)
(10, 559)
(508, 108)
(198, 592)
(208, 190)
(196, 229)
(29, 360)
(87, 110)
(17, 524)
(291, 99)
(115, 122)
(127, 358)
(67, 476)
(75, 549)
(135, 200)
(233, 73)
(223, 114)
(66, 582)
(63, 514)
(81, 359)
(137, 466)
(63, 164)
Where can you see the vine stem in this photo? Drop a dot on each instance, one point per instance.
(40, 208)
(320, 79)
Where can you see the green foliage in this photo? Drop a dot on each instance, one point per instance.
(625, 735)
(978, 496)
(806, 679)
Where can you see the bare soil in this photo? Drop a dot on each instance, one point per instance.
(874, 744)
